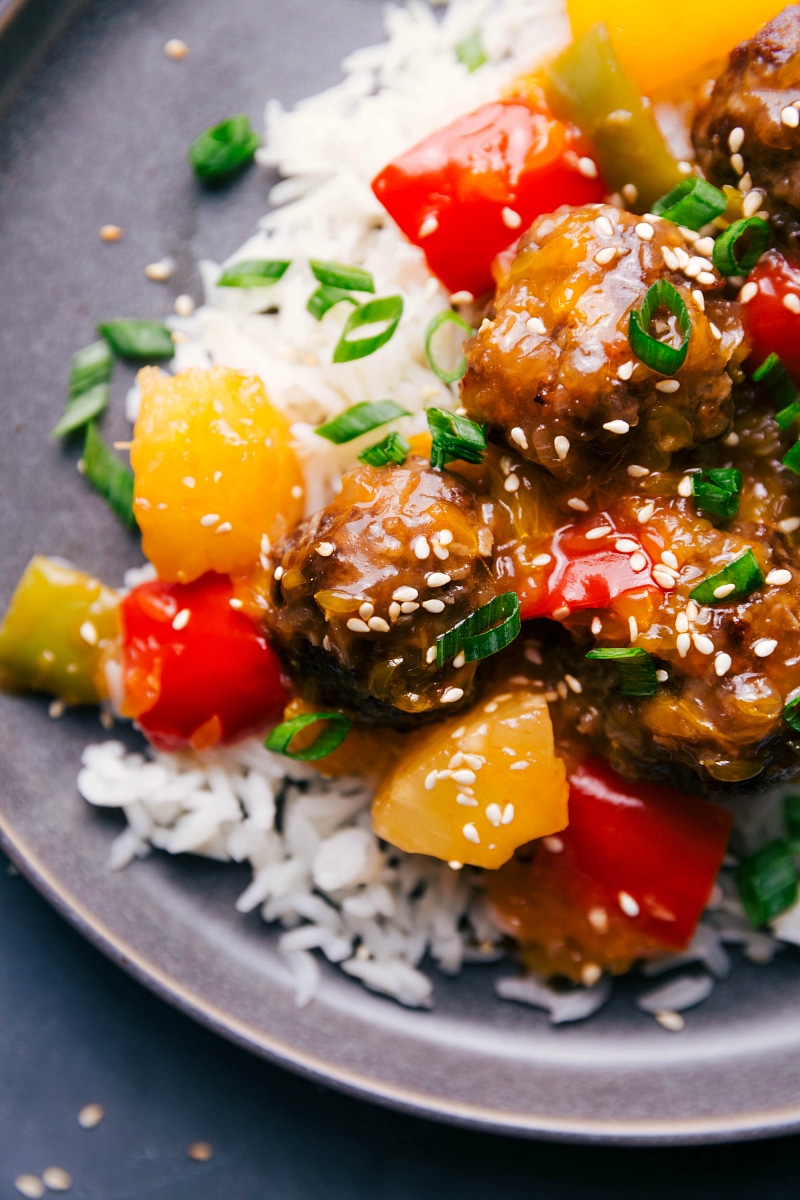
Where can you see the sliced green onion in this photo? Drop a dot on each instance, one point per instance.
(767, 882)
(393, 449)
(744, 573)
(109, 476)
(448, 317)
(325, 297)
(791, 812)
(692, 203)
(89, 389)
(224, 150)
(454, 437)
(490, 628)
(333, 274)
(792, 459)
(777, 380)
(717, 491)
(337, 728)
(660, 356)
(791, 714)
(636, 668)
(360, 418)
(254, 272)
(787, 416)
(727, 260)
(386, 311)
(141, 340)
(471, 52)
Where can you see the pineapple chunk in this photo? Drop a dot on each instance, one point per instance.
(214, 471)
(472, 789)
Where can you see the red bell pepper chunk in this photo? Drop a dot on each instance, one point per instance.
(199, 679)
(465, 193)
(772, 327)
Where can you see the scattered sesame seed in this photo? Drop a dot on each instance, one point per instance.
(428, 226)
(159, 272)
(737, 162)
(30, 1186)
(297, 492)
(779, 577)
(715, 332)
(518, 436)
(590, 973)
(637, 472)
(789, 524)
(471, 833)
(110, 233)
(455, 865)
(378, 625)
(366, 610)
(597, 626)
(578, 504)
(662, 676)
(509, 810)
(705, 246)
(56, 709)
(235, 602)
(683, 644)
(645, 231)
(617, 426)
(573, 684)
(644, 514)
(209, 519)
(176, 49)
(430, 657)
(633, 628)
(638, 561)
(436, 579)
(431, 780)
(790, 117)
(692, 611)
(224, 527)
(511, 219)
(663, 578)
(598, 919)
(356, 625)
(605, 256)
(732, 439)
(630, 192)
(752, 202)
(494, 815)
(747, 293)
(702, 643)
(604, 226)
(466, 801)
(587, 167)
(409, 606)
(722, 663)
(791, 300)
(724, 590)
(278, 573)
(561, 613)
(561, 446)
(599, 531)
(200, 1151)
(462, 297)
(628, 904)
(667, 386)
(684, 167)
(536, 325)
(184, 305)
(512, 483)
(626, 545)
(181, 619)
(670, 258)
(394, 611)
(89, 633)
(553, 844)
(672, 1021)
(541, 560)
(405, 593)
(433, 606)
(450, 696)
(735, 139)
(57, 1179)
(764, 647)
(707, 278)
(561, 689)
(421, 547)
(91, 1115)
(682, 257)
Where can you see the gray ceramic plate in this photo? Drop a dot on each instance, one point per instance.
(99, 135)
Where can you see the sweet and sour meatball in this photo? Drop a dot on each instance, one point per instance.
(553, 372)
(361, 590)
(748, 128)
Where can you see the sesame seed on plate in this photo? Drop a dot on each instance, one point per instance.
(699, 299)
(224, 527)
(735, 139)
(779, 577)
(435, 579)
(573, 684)
(553, 844)
(466, 801)
(747, 293)
(445, 537)
(428, 227)
(561, 446)
(409, 606)
(644, 514)
(536, 325)
(707, 278)
(356, 625)
(764, 647)
(462, 297)
(682, 257)
(590, 973)
(235, 602)
(722, 663)
(91, 1115)
(628, 904)
(752, 202)
(705, 246)
(159, 272)
(670, 258)
(604, 226)
(433, 606)
(470, 832)
(509, 811)
(405, 593)
(578, 504)
(682, 623)
(518, 436)
(791, 300)
(430, 657)
(200, 1151)
(184, 305)
(278, 573)
(790, 117)
(176, 49)
(662, 676)
(378, 625)
(630, 192)
(605, 256)
(668, 557)
(670, 1020)
(511, 219)
(598, 919)
(110, 233)
(663, 578)
(30, 1186)
(617, 426)
(561, 613)
(715, 332)
(668, 386)
(57, 1179)
(732, 439)
(451, 695)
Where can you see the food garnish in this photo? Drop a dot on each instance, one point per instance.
(224, 150)
(143, 341)
(254, 272)
(660, 356)
(360, 419)
(89, 387)
(108, 475)
(636, 668)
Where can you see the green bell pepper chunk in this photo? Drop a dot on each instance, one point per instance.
(587, 85)
(60, 625)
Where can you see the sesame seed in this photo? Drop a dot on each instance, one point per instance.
(378, 625)
(715, 332)
(561, 613)
(685, 487)
(692, 611)
(421, 548)
(662, 676)
(672, 1021)
(224, 527)
(466, 801)
(790, 117)
(598, 919)
(605, 256)
(779, 577)
(459, 660)
(630, 192)
(638, 562)
(644, 514)
(633, 628)
(599, 531)
(789, 524)
(511, 219)
(724, 590)
(791, 300)
(200, 1151)
(637, 472)
(604, 226)
(89, 633)
(628, 904)
(682, 623)
(188, 481)
(683, 644)
(752, 202)
(670, 258)
(536, 325)
(764, 647)
(405, 593)
(110, 233)
(91, 1115)
(578, 504)
(278, 573)
(541, 560)
(645, 231)
(512, 483)
(409, 606)
(699, 299)
(494, 814)
(176, 49)
(433, 606)
(735, 139)
(450, 696)
(684, 167)
(159, 272)
(705, 246)
(518, 436)
(625, 370)
(356, 625)
(30, 1186)
(737, 162)
(561, 446)
(667, 386)
(431, 780)
(626, 545)
(597, 626)
(747, 293)
(430, 657)
(694, 267)
(297, 492)
(707, 278)
(462, 297)
(235, 602)
(471, 833)
(181, 619)
(682, 257)
(57, 1179)
(435, 579)
(209, 519)
(428, 226)
(394, 611)
(184, 305)
(587, 167)
(617, 426)
(590, 973)
(722, 663)
(553, 844)
(702, 643)
(561, 689)
(573, 684)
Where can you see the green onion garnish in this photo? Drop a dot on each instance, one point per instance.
(360, 418)
(471, 52)
(727, 258)
(337, 728)
(774, 376)
(744, 573)
(791, 714)
(141, 340)
(767, 882)
(254, 272)
(792, 458)
(691, 203)
(636, 668)
(787, 416)
(660, 356)
(387, 311)
(456, 372)
(490, 628)
(393, 449)
(333, 274)
(109, 476)
(791, 812)
(224, 150)
(89, 389)
(325, 297)
(717, 491)
(454, 437)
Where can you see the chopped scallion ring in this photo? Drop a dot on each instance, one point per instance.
(324, 298)
(471, 52)
(333, 274)
(254, 272)
(224, 150)
(144, 341)
(744, 573)
(717, 491)
(791, 714)
(89, 389)
(792, 458)
(691, 203)
(393, 449)
(767, 882)
(337, 728)
(109, 476)
(777, 380)
(448, 317)
(660, 356)
(360, 418)
(387, 312)
(454, 437)
(636, 668)
(727, 259)
(489, 629)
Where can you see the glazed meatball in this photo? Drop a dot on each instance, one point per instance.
(553, 372)
(361, 591)
(747, 130)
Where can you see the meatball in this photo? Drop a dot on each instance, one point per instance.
(361, 591)
(742, 134)
(553, 372)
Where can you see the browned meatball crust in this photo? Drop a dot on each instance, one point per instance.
(361, 590)
(742, 131)
(553, 372)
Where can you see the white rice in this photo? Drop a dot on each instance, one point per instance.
(317, 868)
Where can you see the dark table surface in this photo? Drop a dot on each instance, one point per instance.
(74, 1030)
